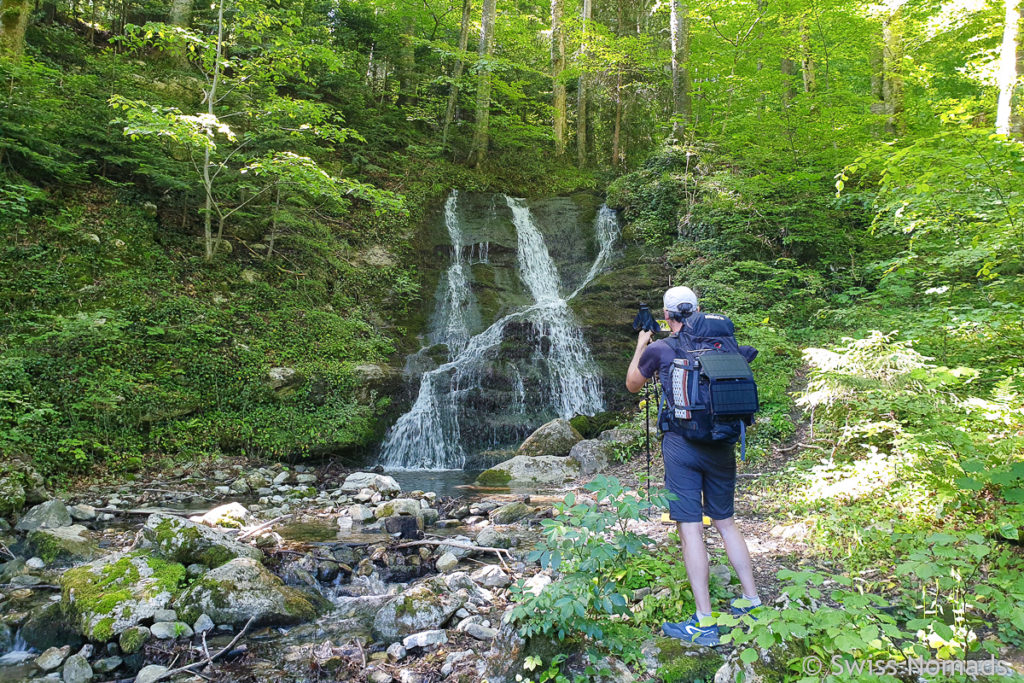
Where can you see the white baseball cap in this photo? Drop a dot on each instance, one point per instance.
(680, 295)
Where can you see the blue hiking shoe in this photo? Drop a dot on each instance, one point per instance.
(740, 606)
(691, 631)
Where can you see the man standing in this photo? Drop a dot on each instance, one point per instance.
(692, 470)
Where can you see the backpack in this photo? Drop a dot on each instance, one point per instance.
(712, 397)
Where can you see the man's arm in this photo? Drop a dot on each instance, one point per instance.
(634, 378)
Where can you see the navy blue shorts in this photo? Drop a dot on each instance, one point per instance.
(693, 469)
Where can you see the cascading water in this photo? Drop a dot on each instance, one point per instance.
(456, 304)
(431, 436)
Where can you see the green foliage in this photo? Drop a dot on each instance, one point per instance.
(586, 544)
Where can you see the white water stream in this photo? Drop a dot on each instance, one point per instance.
(429, 436)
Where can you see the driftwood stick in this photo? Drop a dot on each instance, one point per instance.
(263, 527)
(41, 586)
(463, 546)
(182, 669)
(142, 512)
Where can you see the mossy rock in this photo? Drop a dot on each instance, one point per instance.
(522, 469)
(243, 589)
(63, 545)
(181, 540)
(495, 478)
(425, 606)
(680, 662)
(114, 593)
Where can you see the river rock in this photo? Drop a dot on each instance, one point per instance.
(242, 589)
(446, 563)
(457, 551)
(64, 544)
(170, 630)
(424, 606)
(491, 576)
(52, 514)
(76, 670)
(554, 438)
(151, 673)
(592, 455)
(396, 652)
(282, 379)
(107, 664)
(425, 639)
(82, 512)
(132, 639)
(364, 607)
(109, 595)
(513, 512)
(228, 516)
(489, 537)
(47, 627)
(522, 469)
(381, 483)
(479, 631)
(53, 658)
(186, 542)
(405, 527)
(360, 513)
(620, 436)
(203, 624)
(398, 506)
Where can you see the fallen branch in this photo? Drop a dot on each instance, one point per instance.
(142, 512)
(798, 445)
(463, 546)
(263, 527)
(209, 660)
(41, 586)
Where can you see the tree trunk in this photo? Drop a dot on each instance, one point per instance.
(806, 57)
(181, 13)
(407, 66)
(616, 132)
(211, 97)
(481, 136)
(14, 16)
(1007, 73)
(581, 100)
(1017, 102)
(892, 86)
(557, 66)
(788, 69)
(679, 36)
(453, 95)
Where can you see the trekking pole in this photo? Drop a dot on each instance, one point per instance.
(647, 436)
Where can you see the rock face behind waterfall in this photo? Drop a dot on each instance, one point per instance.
(500, 350)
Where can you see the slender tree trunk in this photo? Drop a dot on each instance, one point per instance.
(616, 132)
(1007, 74)
(211, 99)
(679, 36)
(557, 66)
(273, 222)
(1017, 101)
(481, 136)
(892, 87)
(14, 16)
(581, 100)
(453, 95)
(407, 66)
(806, 57)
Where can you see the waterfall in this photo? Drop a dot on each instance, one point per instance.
(456, 301)
(430, 435)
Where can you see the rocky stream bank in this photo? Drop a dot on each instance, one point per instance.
(277, 574)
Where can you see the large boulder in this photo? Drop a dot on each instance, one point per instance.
(110, 595)
(244, 589)
(185, 541)
(52, 514)
(522, 469)
(68, 544)
(424, 606)
(357, 481)
(592, 455)
(554, 438)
